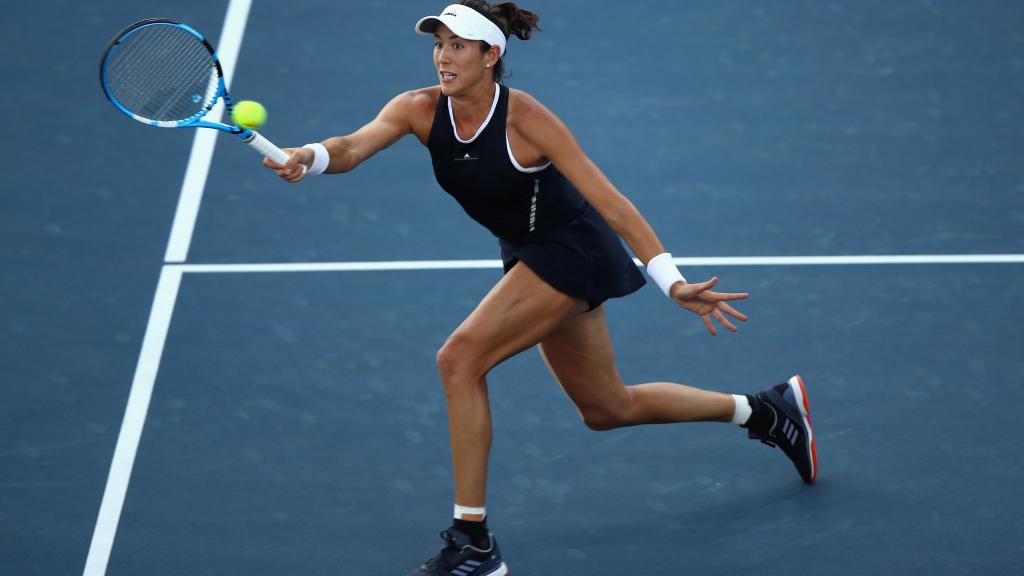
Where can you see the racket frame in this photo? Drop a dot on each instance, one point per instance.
(249, 136)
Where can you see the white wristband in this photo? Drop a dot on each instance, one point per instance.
(321, 158)
(664, 272)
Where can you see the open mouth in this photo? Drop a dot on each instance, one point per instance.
(448, 76)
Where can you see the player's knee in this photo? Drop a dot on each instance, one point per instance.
(607, 413)
(456, 358)
(602, 421)
(447, 359)
(603, 418)
(598, 425)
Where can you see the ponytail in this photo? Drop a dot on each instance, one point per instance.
(511, 19)
(517, 21)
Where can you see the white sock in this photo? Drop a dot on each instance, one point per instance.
(462, 511)
(743, 410)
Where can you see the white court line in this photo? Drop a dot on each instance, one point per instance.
(116, 489)
(202, 145)
(134, 418)
(166, 296)
(853, 260)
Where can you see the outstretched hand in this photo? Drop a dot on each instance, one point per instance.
(699, 299)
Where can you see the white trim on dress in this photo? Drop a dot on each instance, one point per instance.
(515, 163)
(494, 104)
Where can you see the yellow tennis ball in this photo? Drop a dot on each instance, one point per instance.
(249, 114)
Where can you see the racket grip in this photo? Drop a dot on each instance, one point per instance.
(266, 147)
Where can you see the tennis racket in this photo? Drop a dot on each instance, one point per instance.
(163, 73)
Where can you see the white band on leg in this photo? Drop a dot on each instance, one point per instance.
(463, 511)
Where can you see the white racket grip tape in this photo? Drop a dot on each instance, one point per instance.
(267, 148)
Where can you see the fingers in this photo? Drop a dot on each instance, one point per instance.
(732, 311)
(703, 291)
(717, 314)
(294, 170)
(724, 296)
(723, 320)
(709, 325)
(710, 305)
(702, 286)
(295, 157)
(292, 175)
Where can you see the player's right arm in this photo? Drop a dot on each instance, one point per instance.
(409, 112)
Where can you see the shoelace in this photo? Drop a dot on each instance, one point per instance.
(766, 435)
(444, 559)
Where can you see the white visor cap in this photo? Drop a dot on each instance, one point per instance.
(466, 23)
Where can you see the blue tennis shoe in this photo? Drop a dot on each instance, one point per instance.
(460, 558)
(789, 425)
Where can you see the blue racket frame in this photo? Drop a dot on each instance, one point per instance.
(248, 136)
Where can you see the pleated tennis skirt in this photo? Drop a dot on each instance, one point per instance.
(583, 258)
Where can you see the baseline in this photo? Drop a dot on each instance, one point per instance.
(409, 265)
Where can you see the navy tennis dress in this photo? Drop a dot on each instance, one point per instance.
(537, 215)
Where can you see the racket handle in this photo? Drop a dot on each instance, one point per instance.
(266, 147)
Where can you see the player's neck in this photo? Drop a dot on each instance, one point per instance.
(475, 104)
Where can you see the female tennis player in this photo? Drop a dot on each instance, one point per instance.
(516, 169)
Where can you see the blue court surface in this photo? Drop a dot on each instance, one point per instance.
(204, 370)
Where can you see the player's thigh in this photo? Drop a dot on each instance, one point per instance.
(582, 360)
(518, 312)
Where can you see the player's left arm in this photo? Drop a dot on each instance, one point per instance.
(550, 137)
(545, 132)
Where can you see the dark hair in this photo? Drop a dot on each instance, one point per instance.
(510, 19)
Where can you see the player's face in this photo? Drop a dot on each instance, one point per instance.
(460, 63)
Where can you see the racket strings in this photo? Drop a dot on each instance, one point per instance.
(163, 73)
